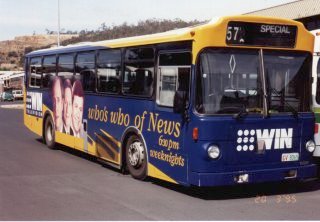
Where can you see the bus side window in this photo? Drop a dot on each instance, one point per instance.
(66, 66)
(109, 70)
(318, 83)
(35, 72)
(85, 69)
(49, 70)
(173, 74)
(139, 72)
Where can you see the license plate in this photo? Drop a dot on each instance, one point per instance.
(286, 157)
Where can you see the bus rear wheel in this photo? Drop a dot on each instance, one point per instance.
(49, 133)
(136, 158)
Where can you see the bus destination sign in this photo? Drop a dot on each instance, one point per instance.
(260, 34)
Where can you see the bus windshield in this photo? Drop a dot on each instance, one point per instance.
(288, 79)
(230, 81)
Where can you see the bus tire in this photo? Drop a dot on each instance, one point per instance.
(136, 158)
(49, 133)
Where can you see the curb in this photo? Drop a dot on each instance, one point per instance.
(15, 106)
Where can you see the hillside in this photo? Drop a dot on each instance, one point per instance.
(12, 51)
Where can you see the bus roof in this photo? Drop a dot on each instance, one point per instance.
(217, 25)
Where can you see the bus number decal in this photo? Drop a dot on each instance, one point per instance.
(233, 34)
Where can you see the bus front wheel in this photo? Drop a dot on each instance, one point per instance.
(49, 133)
(136, 158)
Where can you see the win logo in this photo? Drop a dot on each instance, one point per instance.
(34, 104)
(264, 139)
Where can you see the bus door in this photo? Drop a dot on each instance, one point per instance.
(174, 69)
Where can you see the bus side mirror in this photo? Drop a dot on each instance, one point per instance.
(179, 102)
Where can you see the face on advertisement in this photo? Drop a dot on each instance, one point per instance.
(57, 103)
(77, 113)
(67, 104)
(77, 107)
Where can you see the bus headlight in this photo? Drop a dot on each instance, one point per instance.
(213, 151)
(310, 146)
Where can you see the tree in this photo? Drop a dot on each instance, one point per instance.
(28, 49)
(149, 26)
(13, 54)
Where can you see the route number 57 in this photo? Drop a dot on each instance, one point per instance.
(233, 34)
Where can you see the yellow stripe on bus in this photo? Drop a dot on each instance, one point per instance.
(111, 138)
(103, 154)
(35, 124)
(156, 173)
(105, 142)
(92, 149)
(64, 139)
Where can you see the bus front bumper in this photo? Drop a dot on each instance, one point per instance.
(316, 152)
(255, 176)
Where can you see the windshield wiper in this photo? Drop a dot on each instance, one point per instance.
(241, 113)
(293, 110)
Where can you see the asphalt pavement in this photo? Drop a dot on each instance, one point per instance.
(37, 183)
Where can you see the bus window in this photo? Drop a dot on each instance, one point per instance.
(35, 72)
(318, 83)
(139, 72)
(49, 70)
(108, 71)
(85, 69)
(66, 66)
(173, 75)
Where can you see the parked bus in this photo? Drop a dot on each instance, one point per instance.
(221, 103)
(316, 89)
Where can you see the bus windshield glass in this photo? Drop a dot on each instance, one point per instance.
(288, 79)
(229, 82)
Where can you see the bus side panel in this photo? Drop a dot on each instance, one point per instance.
(167, 151)
(33, 111)
(109, 119)
(37, 105)
(105, 122)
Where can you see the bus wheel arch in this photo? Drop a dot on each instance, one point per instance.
(134, 154)
(48, 131)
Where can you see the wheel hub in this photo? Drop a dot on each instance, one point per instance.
(136, 154)
(49, 133)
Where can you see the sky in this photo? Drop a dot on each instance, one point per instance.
(26, 17)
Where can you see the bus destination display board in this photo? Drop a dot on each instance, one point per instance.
(260, 34)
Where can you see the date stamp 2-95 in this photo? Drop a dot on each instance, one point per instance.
(278, 199)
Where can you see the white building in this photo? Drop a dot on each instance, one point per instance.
(305, 11)
(11, 80)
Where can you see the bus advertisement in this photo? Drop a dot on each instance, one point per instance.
(222, 103)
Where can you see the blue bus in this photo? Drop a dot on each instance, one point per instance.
(222, 103)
